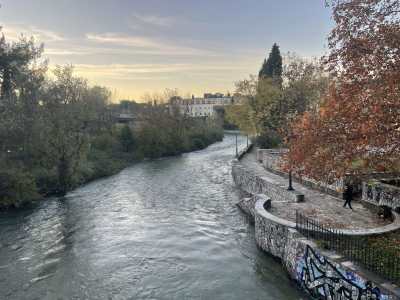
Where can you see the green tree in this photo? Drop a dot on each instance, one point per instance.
(268, 111)
(66, 124)
(243, 115)
(267, 107)
(21, 81)
(15, 60)
(126, 139)
(305, 85)
(272, 67)
(260, 106)
(57, 132)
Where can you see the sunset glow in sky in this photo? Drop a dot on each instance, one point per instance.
(140, 46)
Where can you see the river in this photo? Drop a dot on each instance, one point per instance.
(162, 229)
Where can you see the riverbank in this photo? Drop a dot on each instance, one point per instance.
(21, 185)
(162, 229)
(322, 274)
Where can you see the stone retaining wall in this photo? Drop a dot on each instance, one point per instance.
(244, 151)
(247, 205)
(357, 181)
(257, 186)
(381, 194)
(260, 154)
(271, 233)
(323, 275)
(271, 159)
(249, 182)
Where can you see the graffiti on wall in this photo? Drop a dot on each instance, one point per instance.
(270, 236)
(381, 194)
(325, 280)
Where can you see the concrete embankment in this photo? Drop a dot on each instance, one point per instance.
(322, 274)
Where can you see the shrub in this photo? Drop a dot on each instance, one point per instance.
(268, 140)
(198, 143)
(16, 187)
(105, 142)
(46, 179)
(126, 139)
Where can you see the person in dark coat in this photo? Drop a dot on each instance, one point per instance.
(348, 196)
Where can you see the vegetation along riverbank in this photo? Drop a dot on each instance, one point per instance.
(58, 132)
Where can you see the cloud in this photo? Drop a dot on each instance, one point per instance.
(67, 52)
(150, 20)
(135, 71)
(128, 72)
(47, 34)
(146, 45)
(122, 70)
(124, 40)
(13, 32)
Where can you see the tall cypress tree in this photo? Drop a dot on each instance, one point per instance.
(272, 67)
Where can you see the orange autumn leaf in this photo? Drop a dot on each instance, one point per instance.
(356, 127)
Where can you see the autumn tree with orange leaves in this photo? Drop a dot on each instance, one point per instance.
(356, 129)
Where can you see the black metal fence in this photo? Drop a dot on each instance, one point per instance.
(361, 249)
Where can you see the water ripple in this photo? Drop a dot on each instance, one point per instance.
(164, 229)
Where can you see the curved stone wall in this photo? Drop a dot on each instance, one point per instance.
(258, 186)
(319, 274)
(248, 205)
(271, 232)
(253, 184)
(395, 225)
(271, 159)
(322, 275)
(378, 193)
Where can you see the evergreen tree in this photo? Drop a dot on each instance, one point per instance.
(126, 139)
(272, 67)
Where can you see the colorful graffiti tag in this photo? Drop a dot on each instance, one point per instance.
(324, 280)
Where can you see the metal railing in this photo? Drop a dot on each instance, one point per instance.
(361, 249)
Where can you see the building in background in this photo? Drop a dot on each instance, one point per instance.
(206, 106)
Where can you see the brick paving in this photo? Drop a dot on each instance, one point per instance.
(317, 205)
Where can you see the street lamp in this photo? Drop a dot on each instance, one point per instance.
(290, 187)
(237, 153)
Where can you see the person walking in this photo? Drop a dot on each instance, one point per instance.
(348, 196)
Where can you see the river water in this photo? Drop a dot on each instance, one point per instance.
(163, 229)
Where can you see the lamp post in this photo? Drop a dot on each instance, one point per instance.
(290, 187)
(237, 153)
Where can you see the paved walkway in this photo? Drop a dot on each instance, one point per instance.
(317, 205)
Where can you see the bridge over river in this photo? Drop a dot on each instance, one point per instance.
(163, 229)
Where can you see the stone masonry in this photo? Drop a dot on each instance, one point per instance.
(322, 275)
(317, 205)
(381, 194)
(250, 183)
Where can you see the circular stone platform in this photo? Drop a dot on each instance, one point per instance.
(331, 214)
(356, 225)
(322, 207)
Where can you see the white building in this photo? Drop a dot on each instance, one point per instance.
(201, 107)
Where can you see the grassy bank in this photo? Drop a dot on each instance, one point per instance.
(106, 154)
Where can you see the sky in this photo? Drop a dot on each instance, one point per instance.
(135, 47)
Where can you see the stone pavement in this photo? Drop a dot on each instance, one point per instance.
(317, 205)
